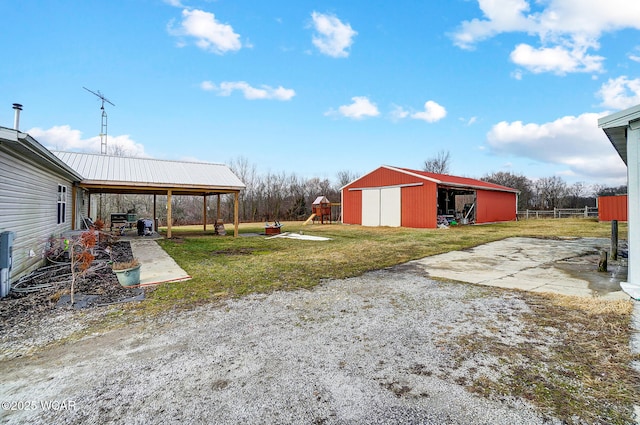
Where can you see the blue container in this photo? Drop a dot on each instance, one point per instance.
(128, 277)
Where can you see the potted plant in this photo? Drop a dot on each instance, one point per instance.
(127, 272)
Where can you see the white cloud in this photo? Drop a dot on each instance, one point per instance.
(566, 29)
(468, 122)
(333, 37)
(502, 16)
(361, 108)
(398, 113)
(208, 86)
(210, 34)
(575, 142)
(620, 93)
(64, 138)
(264, 92)
(432, 112)
(174, 3)
(559, 59)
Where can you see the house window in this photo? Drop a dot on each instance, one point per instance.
(62, 204)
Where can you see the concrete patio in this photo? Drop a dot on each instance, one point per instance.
(562, 266)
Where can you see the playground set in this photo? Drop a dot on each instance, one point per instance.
(321, 210)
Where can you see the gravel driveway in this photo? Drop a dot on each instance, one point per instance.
(371, 349)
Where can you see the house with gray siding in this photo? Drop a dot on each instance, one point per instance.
(36, 198)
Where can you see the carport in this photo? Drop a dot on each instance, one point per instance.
(126, 175)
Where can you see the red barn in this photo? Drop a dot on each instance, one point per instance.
(391, 196)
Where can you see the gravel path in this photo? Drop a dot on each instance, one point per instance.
(371, 349)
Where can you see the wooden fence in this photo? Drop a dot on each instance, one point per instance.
(585, 212)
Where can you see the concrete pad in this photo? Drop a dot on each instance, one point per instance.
(561, 266)
(156, 265)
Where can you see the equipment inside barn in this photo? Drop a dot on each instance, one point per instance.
(456, 205)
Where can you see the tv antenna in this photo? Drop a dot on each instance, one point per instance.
(103, 128)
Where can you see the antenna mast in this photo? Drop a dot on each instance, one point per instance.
(103, 127)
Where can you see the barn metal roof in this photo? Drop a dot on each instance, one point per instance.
(117, 171)
(447, 180)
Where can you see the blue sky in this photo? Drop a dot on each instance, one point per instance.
(315, 87)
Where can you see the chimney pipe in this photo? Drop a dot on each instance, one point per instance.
(16, 122)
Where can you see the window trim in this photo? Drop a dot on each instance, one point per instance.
(61, 205)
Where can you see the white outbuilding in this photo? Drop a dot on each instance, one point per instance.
(623, 130)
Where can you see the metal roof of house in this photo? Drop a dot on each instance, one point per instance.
(615, 127)
(116, 171)
(447, 180)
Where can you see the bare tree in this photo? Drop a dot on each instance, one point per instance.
(602, 190)
(247, 173)
(345, 177)
(577, 195)
(551, 192)
(439, 164)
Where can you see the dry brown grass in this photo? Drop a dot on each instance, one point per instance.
(575, 363)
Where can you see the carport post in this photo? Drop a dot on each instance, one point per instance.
(204, 213)
(236, 199)
(168, 213)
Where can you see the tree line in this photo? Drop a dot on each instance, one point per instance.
(552, 192)
(546, 193)
(281, 196)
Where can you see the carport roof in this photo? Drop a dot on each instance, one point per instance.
(117, 174)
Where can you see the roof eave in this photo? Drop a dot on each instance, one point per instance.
(32, 149)
(167, 186)
(615, 125)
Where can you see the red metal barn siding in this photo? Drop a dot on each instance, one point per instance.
(419, 206)
(385, 177)
(612, 208)
(381, 177)
(351, 206)
(495, 206)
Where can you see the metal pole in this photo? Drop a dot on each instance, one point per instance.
(614, 240)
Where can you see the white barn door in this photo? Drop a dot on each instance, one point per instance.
(381, 207)
(390, 210)
(371, 207)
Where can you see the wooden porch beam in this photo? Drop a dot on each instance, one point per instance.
(236, 197)
(169, 214)
(204, 213)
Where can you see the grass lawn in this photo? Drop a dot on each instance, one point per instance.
(227, 266)
(587, 379)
